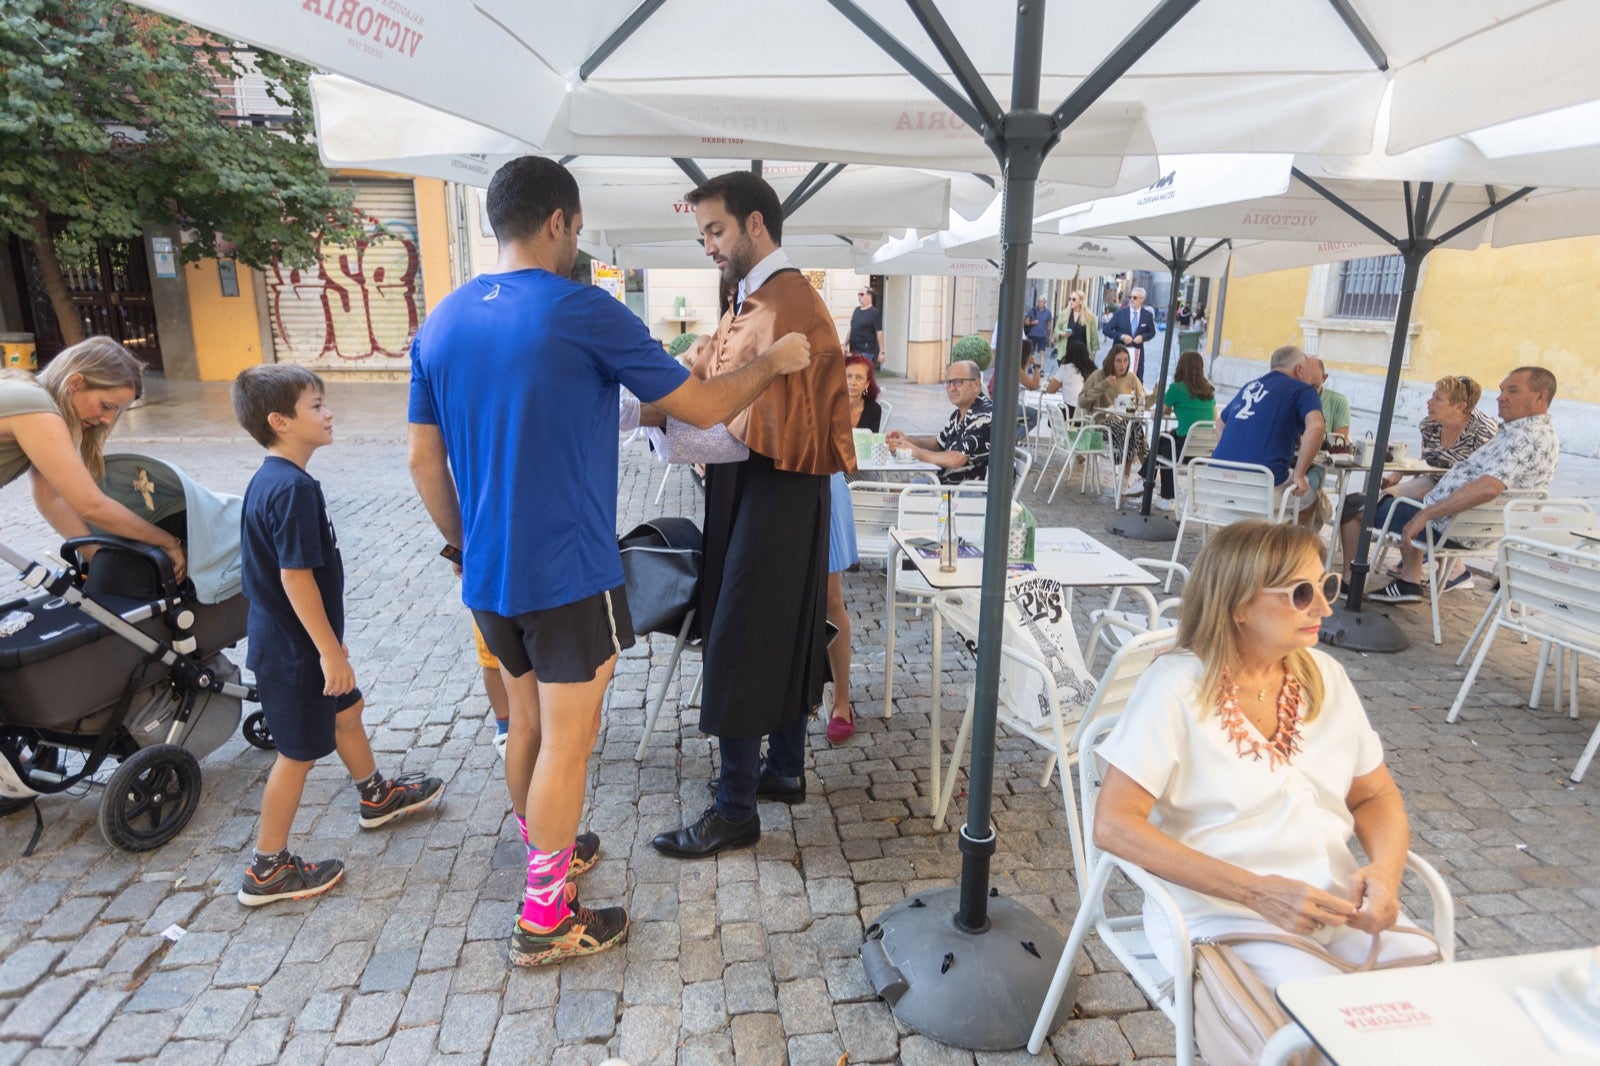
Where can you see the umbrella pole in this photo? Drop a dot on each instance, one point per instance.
(1003, 951)
(1000, 954)
(1350, 626)
(1142, 525)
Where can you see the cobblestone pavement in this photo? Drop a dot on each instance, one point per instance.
(750, 957)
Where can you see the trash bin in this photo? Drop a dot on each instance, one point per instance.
(17, 352)
(1189, 339)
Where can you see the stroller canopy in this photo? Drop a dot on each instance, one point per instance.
(163, 495)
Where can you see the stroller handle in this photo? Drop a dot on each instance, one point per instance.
(160, 565)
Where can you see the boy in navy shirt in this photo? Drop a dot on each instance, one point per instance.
(294, 579)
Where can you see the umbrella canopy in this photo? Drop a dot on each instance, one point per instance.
(809, 80)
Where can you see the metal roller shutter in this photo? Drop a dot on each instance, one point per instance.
(359, 308)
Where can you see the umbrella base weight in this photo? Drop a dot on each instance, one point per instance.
(1152, 527)
(971, 990)
(1363, 631)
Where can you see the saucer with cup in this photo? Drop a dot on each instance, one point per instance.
(904, 455)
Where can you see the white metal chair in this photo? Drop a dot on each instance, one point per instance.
(1092, 444)
(1198, 443)
(877, 508)
(1112, 626)
(1553, 520)
(1485, 522)
(680, 642)
(918, 511)
(1550, 594)
(1222, 493)
(885, 408)
(1046, 692)
(1059, 425)
(1020, 467)
(1170, 990)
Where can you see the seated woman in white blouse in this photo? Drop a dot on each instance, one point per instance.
(1245, 761)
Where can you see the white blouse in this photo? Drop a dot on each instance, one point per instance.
(1291, 821)
(1071, 379)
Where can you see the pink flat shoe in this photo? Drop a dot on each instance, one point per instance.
(842, 729)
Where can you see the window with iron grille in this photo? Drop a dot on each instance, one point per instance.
(1369, 288)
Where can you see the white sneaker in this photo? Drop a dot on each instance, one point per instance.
(500, 746)
(1165, 505)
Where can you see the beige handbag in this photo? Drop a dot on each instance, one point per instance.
(1234, 1013)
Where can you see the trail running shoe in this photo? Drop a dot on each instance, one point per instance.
(585, 853)
(294, 879)
(581, 932)
(402, 795)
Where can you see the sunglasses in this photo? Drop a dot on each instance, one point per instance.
(1302, 593)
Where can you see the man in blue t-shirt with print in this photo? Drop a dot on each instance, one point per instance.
(1276, 421)
(513, 449)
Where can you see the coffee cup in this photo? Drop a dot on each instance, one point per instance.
(1359, 450)
(904, 455)
(1397, 452)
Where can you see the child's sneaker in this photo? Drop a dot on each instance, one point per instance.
(401, 795)
(581, 932)
(292, 879)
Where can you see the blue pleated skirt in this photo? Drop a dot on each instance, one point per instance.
(842, 552)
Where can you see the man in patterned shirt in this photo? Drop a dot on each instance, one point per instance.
(961, 450)
(1522, 456)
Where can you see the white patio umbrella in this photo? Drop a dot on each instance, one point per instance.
(918, 85)
(1373, 209)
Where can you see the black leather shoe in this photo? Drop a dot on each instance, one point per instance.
(774, 786)
(709, 835)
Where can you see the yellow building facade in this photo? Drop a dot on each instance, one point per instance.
(1478, 313)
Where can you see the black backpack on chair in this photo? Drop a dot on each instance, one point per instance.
(661, 562)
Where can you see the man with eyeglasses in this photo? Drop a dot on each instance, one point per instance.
(1521, 456)
(866, 329)
(1131, 326)
(961, 450)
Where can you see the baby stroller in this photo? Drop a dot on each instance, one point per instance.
(116, 661)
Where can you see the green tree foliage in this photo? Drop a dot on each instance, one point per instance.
(113, 118)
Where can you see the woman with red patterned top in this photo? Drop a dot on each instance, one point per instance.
(1253, 753)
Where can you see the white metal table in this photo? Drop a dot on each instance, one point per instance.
(1061, 553)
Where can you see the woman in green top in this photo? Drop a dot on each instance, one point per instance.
(57, 424)
(1193, 399)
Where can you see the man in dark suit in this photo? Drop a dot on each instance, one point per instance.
(1131, 326)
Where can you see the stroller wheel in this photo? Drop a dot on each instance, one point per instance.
(150, 797)
(256, 732)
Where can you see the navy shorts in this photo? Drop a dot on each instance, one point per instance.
(301, 719)
(562, 645)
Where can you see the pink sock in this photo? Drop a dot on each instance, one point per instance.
(544, 906)
(522, 827)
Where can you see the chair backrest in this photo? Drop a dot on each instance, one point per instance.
(921, 505)
(1200, 441)
(1020, 466)
(1487, 520)
(1221, 493)
(1061, 424)
(877, 509)
(1090, 440)
(1553, 592)
(887, 409)
(1556, 514)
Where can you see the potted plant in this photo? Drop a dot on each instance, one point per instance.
(974, 347)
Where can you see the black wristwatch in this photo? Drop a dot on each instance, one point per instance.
(451, 552)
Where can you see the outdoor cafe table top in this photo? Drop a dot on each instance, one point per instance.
(1461, 1013)
(1062, 553)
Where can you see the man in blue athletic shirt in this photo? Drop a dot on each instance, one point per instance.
(513, 449)
(1276, 421)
